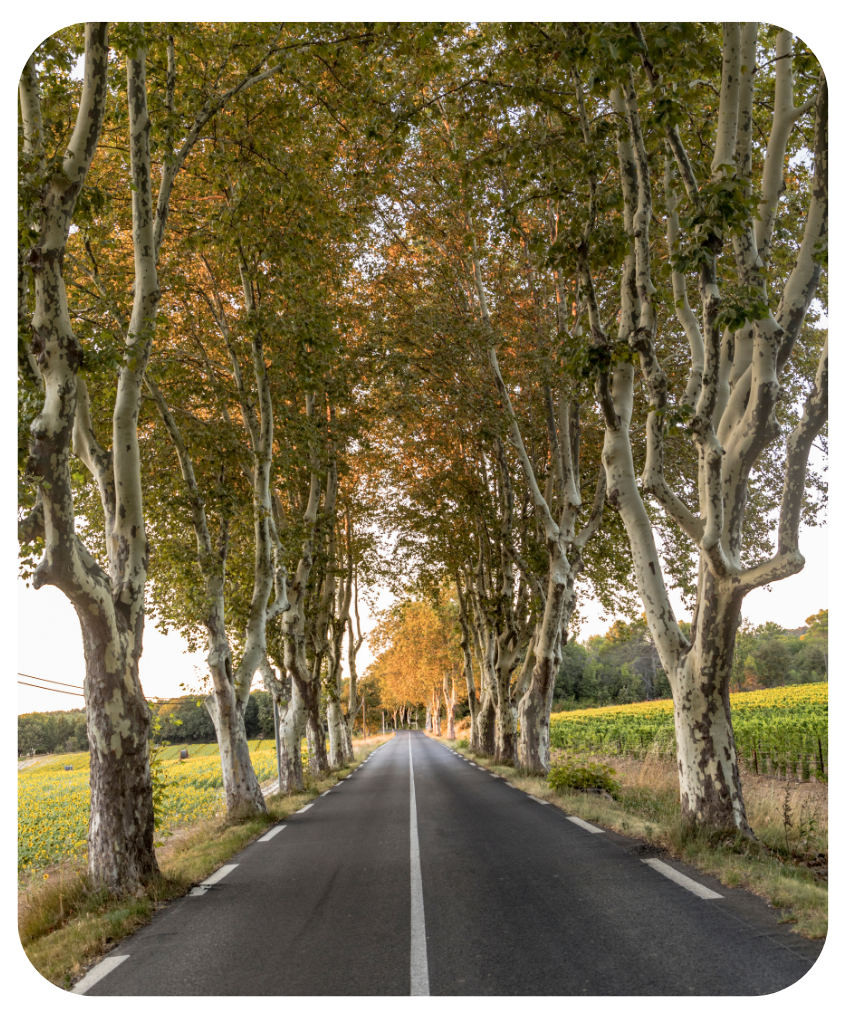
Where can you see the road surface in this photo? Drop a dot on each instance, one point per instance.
(424, 874)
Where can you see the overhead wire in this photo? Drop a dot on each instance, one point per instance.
(55, 682)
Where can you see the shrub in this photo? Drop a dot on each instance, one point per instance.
(580, 773)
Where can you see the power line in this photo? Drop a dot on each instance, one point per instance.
(64, 692)
(53, 682)
(153, 699)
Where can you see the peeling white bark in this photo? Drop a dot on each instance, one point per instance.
(734, 380)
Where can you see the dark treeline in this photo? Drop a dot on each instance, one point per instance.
(58, 731)
(623, 665)
(65, 731)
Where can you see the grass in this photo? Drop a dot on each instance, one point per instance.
(787, 865)
(66, 925)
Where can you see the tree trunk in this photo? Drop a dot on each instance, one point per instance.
(240, 785)
(335, 724)
(485, 725)
(318, 762)
(291, 731)
(451, 721)
(428, 718)
(121, 853)
(505, 729)
(709, 779)
(346, 735)
(534, 708)
(436, 715)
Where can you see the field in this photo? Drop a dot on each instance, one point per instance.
(53, 804)
(781, 732)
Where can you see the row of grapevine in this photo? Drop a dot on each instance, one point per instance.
(780, 732)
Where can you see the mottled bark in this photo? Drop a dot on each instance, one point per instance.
(485, 725)
(241, 789)
(734, 383)
(466, 649)
(450, 699)
(291, 728)
(335, 725)
(109, 605)
(121, 855)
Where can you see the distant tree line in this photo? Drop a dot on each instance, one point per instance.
(59, 731)
(623, 665)
(620, 667)
(65, 731)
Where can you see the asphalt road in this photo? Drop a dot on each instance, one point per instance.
(452, 882)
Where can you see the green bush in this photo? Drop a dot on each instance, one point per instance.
(462, 743)
(580, 773)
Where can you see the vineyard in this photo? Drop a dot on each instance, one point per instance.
(781, 732)
(53, 803)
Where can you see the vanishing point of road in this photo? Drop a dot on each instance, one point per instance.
(424, 874)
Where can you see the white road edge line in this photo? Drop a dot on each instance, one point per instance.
(224, 871)
(272, 833)
(106, 966)
(305, 808)
(700, 890)
(586, 825)
(328, 790)
(419, 958)
(543, 802)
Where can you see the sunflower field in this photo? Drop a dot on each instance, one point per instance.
(53, 803)
(781, 731)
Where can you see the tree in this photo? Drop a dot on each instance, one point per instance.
(106, 585)
(109, 604)
(817, 635)
(737, 357)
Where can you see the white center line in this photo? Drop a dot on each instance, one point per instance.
(273, 832)
(700, 890)
(419, 959)
(106, 966)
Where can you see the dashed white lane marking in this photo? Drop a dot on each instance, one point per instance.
(305, 808)
(328, 790)
(106, 966)
(419, 958)
(586, 825)
(273, 832)
(543, 802)
(700, 890)
(213, 879)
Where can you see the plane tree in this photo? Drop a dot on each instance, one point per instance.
(106, 581)
(699, 184)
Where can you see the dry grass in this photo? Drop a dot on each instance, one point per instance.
(65, 925)
(788, 865)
